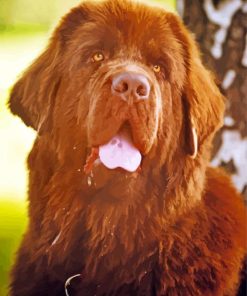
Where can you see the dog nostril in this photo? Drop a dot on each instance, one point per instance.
(131, 86)
(121, 87)
(113, 142)
(125, 87)
(141, 91)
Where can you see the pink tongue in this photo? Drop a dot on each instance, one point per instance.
(120, 153)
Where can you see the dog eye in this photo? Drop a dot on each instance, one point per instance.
(156, 68)
(98, 57)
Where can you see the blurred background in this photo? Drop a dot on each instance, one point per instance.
(25, 25)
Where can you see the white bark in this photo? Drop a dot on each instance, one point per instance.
(244, 59)
(228, 79)
(221, 16)
(234, 148)
(180, 7)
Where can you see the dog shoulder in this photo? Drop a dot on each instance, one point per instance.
(226, 215)
(204, 250)
(222, 198)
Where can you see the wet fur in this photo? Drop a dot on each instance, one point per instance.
(178, 227)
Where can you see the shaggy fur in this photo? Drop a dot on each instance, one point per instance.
(177, 227)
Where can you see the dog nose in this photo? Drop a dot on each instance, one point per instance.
(127, 83)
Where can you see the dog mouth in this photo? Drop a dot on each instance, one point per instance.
(119, 152)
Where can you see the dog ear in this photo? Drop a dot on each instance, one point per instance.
(205, 104)
(32, 97)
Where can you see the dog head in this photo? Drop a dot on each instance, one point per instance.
(115, 74)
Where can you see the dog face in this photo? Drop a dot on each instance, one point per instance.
(125, 75)
(120, 73)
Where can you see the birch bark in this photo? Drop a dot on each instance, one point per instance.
(220, 27)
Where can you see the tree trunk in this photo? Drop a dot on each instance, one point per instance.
(220, 28)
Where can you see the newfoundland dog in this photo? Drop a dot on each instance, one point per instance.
(121, 198)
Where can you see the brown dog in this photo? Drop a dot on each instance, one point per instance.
(121, 198)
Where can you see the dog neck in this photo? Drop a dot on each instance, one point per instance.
(105, 231)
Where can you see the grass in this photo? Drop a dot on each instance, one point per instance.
(12, 225)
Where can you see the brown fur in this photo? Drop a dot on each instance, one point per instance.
(175, 228)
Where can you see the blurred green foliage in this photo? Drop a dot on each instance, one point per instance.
(40, 14)
(24, 26)
(12, 224)
(26, 12)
